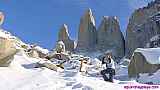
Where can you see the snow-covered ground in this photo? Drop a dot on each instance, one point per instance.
(147, 78)
(21, 75)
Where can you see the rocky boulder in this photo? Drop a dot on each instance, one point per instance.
(143, 25)
(60, 47)
(87, 32)
(59, 56)
(7, 51)
(33, 53)
(64, 36)
(110, 37)
(137, 61)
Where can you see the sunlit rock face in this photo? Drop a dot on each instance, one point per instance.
(64, 36)
(110, 37)
(143, 25)
(87, 33)
(7, 51)
(1, 18)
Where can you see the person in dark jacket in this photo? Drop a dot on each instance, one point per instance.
(109, 70)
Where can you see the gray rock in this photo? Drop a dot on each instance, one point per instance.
(143, 25)
(154, 42)
(110, 37)
(64, 36)
(87, 33)
(135, 66)
(33, 51)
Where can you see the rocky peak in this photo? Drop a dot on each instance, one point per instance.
(63, 33)
(88, 15)
(110, 21)
(142, 14)
(110, 37)
(87, 32)
(64, 36)
(143, 25)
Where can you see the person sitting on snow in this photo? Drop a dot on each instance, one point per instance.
(83, 66)
(110, 68)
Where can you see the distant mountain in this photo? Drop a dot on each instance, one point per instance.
(143, 25)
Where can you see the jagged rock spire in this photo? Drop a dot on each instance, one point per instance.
(63, 33)
(87, 32)
(89, 15)
(109, 36)
(64, 36)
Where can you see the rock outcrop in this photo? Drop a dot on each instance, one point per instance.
(110, 37)
(87, 33)
(7, 51)
(35, 51)
(137, 61)
(60, 47)
(154, 42)
(64, 36)
(7, 46)
(143, 25)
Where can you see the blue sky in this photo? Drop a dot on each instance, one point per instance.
(38, 21)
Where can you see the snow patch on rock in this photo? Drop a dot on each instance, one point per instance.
(152, 55)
